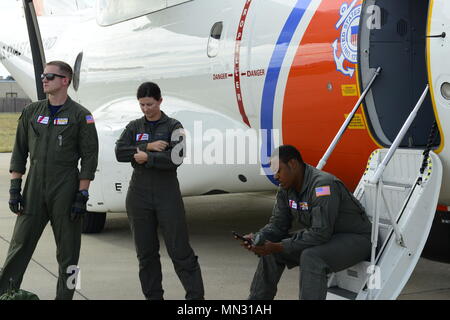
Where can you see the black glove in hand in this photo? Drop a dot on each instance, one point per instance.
(15, 198)
(79, 206)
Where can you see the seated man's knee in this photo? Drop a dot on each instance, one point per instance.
(311, 261)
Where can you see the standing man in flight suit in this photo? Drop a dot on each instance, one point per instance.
(336, 234)
(154, 146)
(56, 133)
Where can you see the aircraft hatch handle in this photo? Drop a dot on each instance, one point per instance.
(442, 35)
(376, 177)
(347, 121)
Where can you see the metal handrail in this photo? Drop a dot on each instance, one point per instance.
(347, 121)
(399, 138)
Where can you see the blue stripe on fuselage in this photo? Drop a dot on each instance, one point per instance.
(270, 85)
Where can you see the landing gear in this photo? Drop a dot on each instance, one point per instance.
(94, 222)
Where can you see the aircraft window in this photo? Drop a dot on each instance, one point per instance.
(214, 39)
(110, 12)
(445, 90)
(76, 71)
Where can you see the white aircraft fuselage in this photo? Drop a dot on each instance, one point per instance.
(283, 71)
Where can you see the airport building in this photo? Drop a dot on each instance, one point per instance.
(12, 97)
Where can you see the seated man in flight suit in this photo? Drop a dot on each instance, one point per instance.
(336, 234)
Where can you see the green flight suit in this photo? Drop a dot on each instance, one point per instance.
(334, 235)
(154, 200)
(54, 145)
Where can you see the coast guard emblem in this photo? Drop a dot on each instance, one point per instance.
(348, 40)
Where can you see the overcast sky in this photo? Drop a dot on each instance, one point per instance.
(3, 71)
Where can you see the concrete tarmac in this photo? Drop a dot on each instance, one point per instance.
(109, 267)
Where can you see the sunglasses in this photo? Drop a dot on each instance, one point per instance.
(51, 76)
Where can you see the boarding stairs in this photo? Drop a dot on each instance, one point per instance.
(399, 191)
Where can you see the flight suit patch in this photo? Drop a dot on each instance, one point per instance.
(142, 137)
(60, 121)
(43, 120)
(323, 191)
(303, 206)
(90, 119)
(293, 204)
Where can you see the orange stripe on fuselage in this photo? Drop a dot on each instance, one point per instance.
(312, 113)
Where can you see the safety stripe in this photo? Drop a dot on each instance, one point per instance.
(271, 82)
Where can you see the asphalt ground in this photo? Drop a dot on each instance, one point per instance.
(109, 268)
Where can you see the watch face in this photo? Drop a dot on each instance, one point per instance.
(257, 239)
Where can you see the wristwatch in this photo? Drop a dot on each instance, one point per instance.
(85, 193)
(257, 239)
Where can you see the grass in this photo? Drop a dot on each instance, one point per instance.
(8, 126)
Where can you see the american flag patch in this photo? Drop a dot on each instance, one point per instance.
(90, 119)
(60, 121)
(323, 191)
(293, 204)
(43, 120)
(142, 137)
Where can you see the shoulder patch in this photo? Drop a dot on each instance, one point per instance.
(323, 191)
(89, 119)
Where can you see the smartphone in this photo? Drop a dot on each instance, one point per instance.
(241, 237)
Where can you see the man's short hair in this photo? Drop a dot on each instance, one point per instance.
(149, 90)
(65, 68)
(286, 153)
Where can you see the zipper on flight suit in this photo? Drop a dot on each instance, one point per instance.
(149, 141)
(47, 140)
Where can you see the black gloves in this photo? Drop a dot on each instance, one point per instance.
(15, 198)
(79, 206)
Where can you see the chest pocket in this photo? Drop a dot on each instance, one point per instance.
(65, 134)
(35, 133)
(64, 139)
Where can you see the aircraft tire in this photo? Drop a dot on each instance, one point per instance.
(94, 222)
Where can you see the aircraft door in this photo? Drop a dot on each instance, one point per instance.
(438, 51)
(244, 59)
(230, 51)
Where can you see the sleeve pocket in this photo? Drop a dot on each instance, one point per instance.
(317, 218)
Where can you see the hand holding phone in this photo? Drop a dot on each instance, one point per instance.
(241, 237)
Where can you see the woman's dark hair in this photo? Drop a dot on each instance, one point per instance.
(149, 90)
